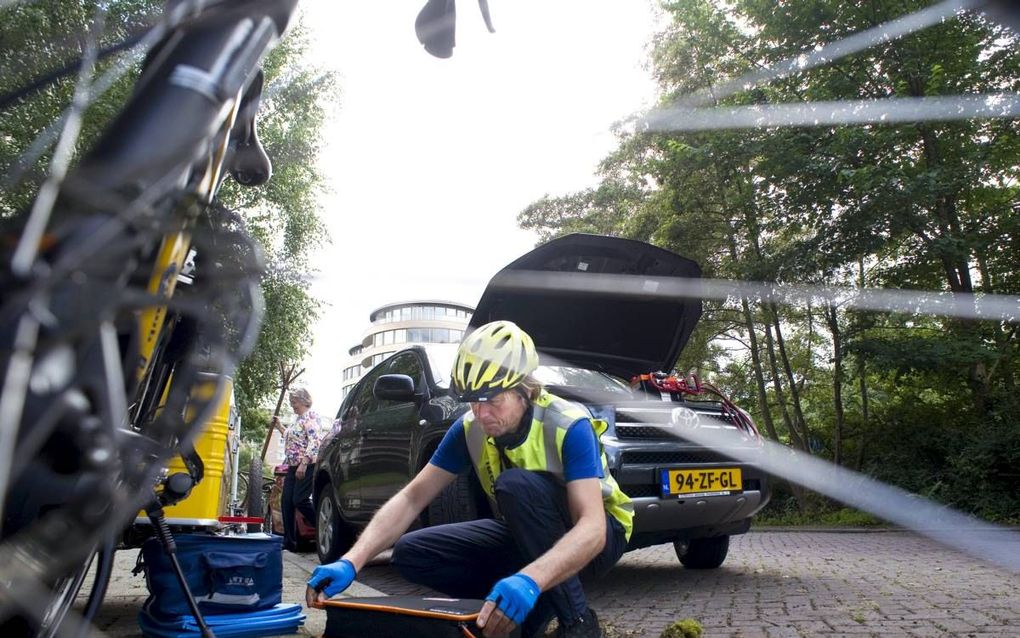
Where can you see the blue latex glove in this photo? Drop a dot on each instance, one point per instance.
(515, 596)
(333, 578)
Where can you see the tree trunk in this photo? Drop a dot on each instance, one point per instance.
(752, 337)
(751, 220)
(955, 264)
(798, 415)
(287, 376)
(759, 374)
(777, 386)
(832, 318)
(862, 383)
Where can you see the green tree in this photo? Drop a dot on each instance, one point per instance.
(928, 206)
(283, 216)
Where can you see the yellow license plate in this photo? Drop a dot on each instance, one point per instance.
(717, 481)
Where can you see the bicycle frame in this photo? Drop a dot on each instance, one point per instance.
(100, 293)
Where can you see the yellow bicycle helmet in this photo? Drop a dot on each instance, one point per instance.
(494, 358)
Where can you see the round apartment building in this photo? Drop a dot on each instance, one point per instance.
(398, 325)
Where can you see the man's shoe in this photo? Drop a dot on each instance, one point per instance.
(587, 626)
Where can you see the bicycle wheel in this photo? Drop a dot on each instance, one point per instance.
(107, 335)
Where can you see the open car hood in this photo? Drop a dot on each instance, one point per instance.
(604, 303)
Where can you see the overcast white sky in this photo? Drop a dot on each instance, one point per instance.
(431, 160)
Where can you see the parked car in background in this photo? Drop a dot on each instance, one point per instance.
(596, 310)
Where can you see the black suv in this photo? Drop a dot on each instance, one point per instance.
(602, 312)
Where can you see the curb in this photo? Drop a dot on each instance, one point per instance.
(875, 530)
(825, 530)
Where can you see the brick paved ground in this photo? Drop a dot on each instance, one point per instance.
(809, 583)
(774, 584)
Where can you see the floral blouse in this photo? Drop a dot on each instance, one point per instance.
(301, 441)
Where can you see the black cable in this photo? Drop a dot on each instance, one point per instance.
(166, 538)
(8, 100)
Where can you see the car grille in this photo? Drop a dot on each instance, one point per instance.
(654, 432)
(640, 491)
(641, 432)
(660, 412)
(639, 457)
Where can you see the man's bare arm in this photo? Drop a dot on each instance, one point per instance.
(579, 545)
(568, 556)
(393, 518)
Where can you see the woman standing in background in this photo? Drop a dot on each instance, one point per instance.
(301, 446)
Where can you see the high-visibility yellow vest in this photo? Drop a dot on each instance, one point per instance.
(542, 451)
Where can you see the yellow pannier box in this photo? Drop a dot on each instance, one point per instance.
(216, 445)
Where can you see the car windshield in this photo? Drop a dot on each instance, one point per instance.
(441, 361)
(581, 378)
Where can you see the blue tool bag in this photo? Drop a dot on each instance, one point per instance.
(226, 574)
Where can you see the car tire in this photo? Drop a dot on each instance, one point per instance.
(332, 536)
(253, 495)
(457, 503)
(703, 553)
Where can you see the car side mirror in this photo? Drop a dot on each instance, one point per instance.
(394, 387)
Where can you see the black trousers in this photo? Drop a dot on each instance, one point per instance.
(465, 560)
(297, 496)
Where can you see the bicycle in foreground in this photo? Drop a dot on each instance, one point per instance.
(127, 296)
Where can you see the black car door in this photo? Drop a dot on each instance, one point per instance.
(386, 446)
(352, 448)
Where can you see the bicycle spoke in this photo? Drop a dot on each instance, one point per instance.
(969, 535)
(33, 597)
(114, 374)
(947, 304)
(28, 245)
(833, 113)
(991, 543)
(124, 63)
(887, 32)
(12, 397)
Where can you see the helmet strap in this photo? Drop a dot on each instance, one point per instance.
(515, 438)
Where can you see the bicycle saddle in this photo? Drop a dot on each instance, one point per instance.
(435, 25)
(248, 162)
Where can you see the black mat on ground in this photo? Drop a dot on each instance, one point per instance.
(403, 617)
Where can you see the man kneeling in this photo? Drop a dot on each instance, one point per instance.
(538, 458)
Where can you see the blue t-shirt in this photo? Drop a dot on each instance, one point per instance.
(581, 457)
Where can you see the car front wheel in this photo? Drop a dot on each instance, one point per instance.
(703, 553)
(332, 536)
(458, 502)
